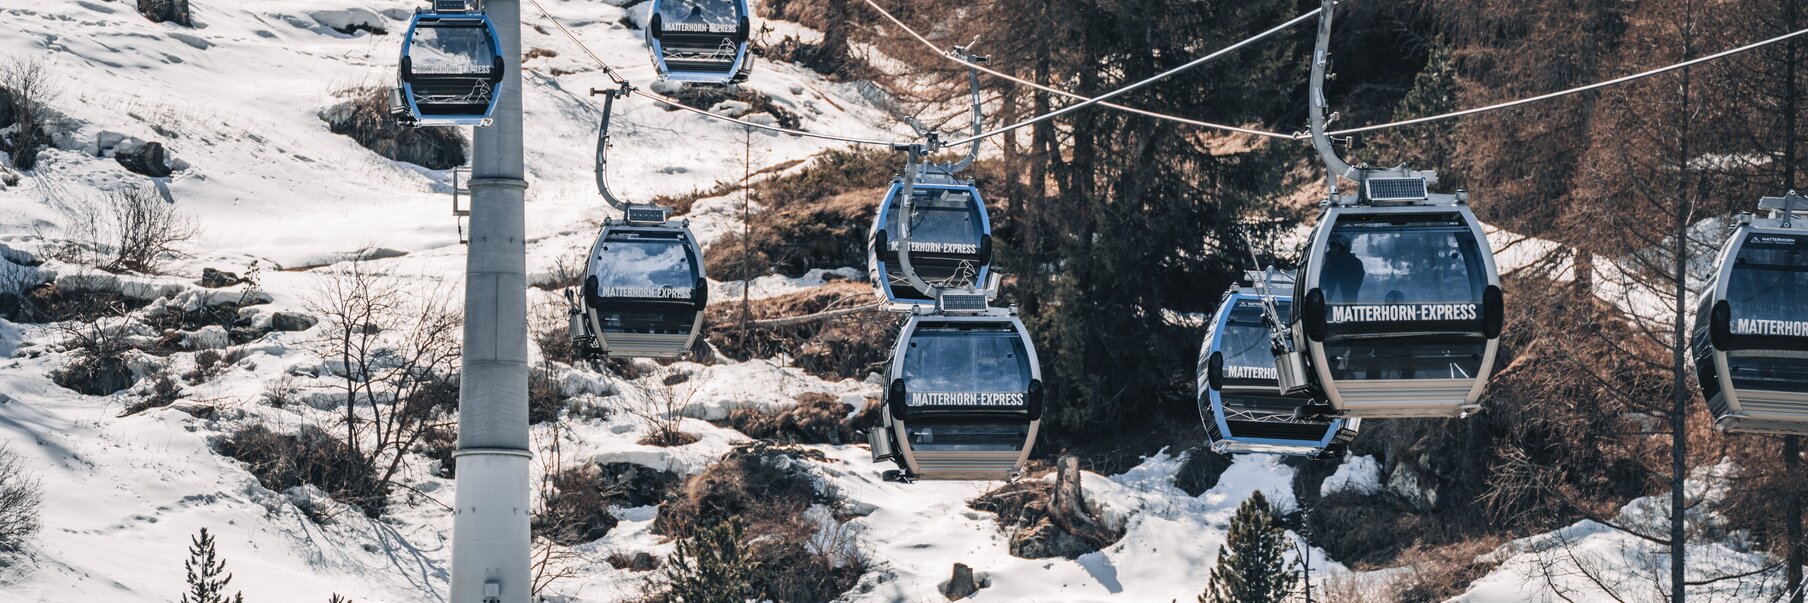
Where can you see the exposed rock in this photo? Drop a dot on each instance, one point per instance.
(961, 585)
(640, 561)
(1200, 471)
(1411, 486)
(171, 11)
(211, 337)
(148, 159)
(291, 321)
(350, 21)
(365, 118)
(105, 142)
(215, 279)
(637, 485)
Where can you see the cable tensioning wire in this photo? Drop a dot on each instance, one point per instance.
(1144, 112)
(1580, 89)
(620, 80)
(1132, 87)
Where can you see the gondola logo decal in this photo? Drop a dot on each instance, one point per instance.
(1250, 372)
(648, 292)
(701, 27)
(1403, 313)
(933, 247)
(1784, 328)
(986, 399)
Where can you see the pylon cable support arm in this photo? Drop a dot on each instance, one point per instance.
(1316, 103)
(602, 144)
(979, 109)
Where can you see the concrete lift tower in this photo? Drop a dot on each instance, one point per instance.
(490, 547)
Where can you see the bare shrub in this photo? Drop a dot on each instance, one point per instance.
(99, 348)
(817, 418)
(394, 351)
(20, 496)
(133, 229)
(28, 86)
(164, 392)
(552, 333)
(659, 400)
(365, 118)
(310, 457)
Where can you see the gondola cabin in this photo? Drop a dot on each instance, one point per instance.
(700, 41)
(1398, 307)
(1239, 400)
(451, 71)
(950, 239)
(965, 393)
(1750, 340)
(643, 291)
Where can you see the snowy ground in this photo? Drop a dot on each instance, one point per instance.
(238, 99)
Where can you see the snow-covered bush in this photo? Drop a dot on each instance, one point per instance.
(20, 495)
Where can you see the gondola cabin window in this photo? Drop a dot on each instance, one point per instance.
(704, 16)
(1404, 299)
(1765, 293)
(966, 362)
(461, 49)
(942, 222)
(646, 269)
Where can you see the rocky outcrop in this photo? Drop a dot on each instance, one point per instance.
(167, 11)
(365, 118)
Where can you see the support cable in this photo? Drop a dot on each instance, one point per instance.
(1079, 97)
(1576, 90)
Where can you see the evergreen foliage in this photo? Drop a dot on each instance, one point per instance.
(1427, 146)
(1252, 564)
(712, 566)
(207, 577)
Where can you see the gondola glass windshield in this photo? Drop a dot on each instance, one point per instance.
(1765, 292)
(1403, 298)
(643, 284)
(699, 16)
(1245, 344)
(943, 222)
(955, 379)
(452, 47)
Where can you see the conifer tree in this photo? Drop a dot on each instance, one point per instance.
(1252, 564)
(712, 566)
(207, 577)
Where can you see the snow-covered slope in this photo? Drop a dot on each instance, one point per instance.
(238, 100)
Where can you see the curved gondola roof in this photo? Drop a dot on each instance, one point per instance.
(451, 69)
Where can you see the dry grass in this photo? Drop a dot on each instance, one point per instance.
(844, 347)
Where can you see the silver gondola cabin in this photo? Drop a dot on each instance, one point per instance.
(1236, 380)
(700, 41)
(1397, 309)
(643, 291)
(964, 399)
(451, 69)
(1751, 331)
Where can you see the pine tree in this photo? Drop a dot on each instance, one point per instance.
(1252, 564)
(207, 577)
(1429, 146)
(712, 566)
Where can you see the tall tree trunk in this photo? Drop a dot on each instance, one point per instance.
(1679, 409)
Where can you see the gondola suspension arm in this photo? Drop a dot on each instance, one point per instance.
(1317, 105)
(978, 112)
(602, 144)
(914, 154)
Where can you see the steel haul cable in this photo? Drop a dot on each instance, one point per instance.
(1144, 112)
(1576, 90)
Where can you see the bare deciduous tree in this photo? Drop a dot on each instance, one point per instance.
(20, 495)
(393, 350)
(28, 86)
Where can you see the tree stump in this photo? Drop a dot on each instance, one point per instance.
(1069, 510)
(962, 584)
